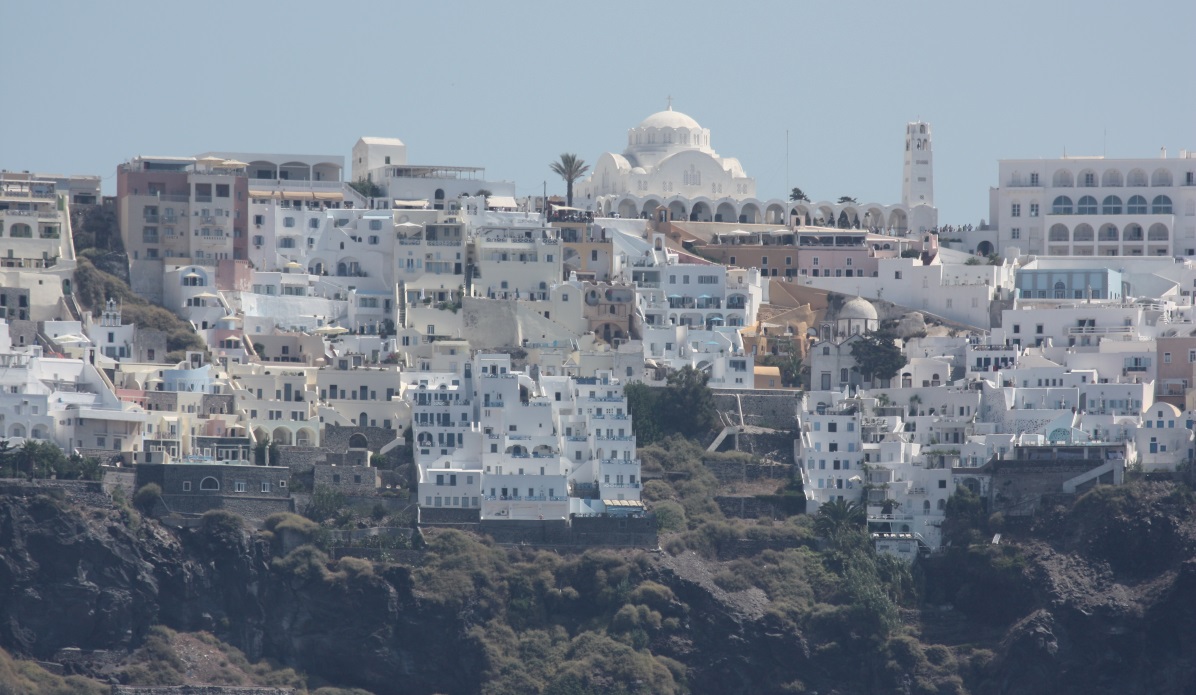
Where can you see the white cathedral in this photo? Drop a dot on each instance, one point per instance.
(669, 163)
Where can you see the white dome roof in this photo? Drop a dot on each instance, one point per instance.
(669, 119)
(858, 308)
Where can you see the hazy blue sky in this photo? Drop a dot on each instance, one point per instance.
(509, 86)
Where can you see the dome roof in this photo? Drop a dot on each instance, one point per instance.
(858, 308)
(669, 119)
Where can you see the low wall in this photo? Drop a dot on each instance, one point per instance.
(198, 690)
(735, 472)
(250, 508)
(638, 532)
(748, 508)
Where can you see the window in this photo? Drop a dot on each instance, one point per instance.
(1063, 206)
(288, 221)
(1111, 205)
(1015, 233)
(1015, 210)
(1086, 206)
(239, 486)
(186, 486)
(1166, 358)
(1034, 179)
(1161, 205)
(265, 486)
(1033, 209)
(1136, 205)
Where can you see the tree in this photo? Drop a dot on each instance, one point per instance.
(325, 502)
(790, 365)
(798, 196)
(642, 403)
(483, 193)
(570, 167)
(838, 518)
(847, 199)
(688, 405)
(877, 355)
(367, 188)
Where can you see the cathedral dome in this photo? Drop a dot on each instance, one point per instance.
(669, 119)
(858, 308)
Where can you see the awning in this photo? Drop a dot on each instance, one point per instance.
(502, 201)
(560, 208)
(296, 195)
(626, 504)
(399, 203)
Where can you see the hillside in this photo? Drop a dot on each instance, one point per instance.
(1096, 598)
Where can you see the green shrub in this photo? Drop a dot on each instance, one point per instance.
(146, 497)
(670, 516)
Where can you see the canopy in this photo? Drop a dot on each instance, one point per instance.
(331, 330)
(205, 295)
(296, 195)
(235, 164)
(399, 203)
(502, 201)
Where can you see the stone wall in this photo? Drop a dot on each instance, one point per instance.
(736, 472)
(87, 492)
(336, 437)
(218, 403)
(300, 458)
(161, 400)
(748, 508)
(253, 509)
(639, 532)
(198, 690)
(23, 333)
(1018, 488)
(775, 447)
(448, 515)
(772, 409)
(350, 480)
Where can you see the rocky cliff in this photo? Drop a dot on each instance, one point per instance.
(1097, 598)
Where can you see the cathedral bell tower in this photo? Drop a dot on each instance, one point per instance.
(917, 186)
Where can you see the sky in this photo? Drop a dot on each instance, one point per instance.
(511, 86)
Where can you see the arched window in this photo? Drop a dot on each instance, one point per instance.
(1111, 205)
(1111, 178)
(1161, 205)
(1062, 179)
(1086, 206)
(1137, 177)
(1160, 177)
(1088, 179)
(1136, 205)
(942, 505)
(209, 484)
(1061, 206)
(926, 506)
(1060, 290)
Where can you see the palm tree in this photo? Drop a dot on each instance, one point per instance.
(797, 195)
(843, 199)
(838, 517)
(570, 168)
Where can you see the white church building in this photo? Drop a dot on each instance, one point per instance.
(669, 163)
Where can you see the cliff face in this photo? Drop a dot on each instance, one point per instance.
(1098, 598)
(82, 578)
